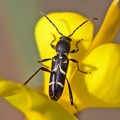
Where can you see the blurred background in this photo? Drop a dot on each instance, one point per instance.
(18, 51)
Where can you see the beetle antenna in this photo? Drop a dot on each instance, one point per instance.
(81, 25)
(50, 22)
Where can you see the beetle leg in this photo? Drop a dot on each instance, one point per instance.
(42, 68)
(70, 95)
(75, 61)
(51, 44)
(77, 48)
(44, 60)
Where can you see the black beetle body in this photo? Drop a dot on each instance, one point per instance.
(60, 64)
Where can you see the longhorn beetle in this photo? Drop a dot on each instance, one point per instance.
(60, 64)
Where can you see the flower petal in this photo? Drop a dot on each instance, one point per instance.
(109, 27)
(100, 88)
(66, 22)
(104, 81)
(34, 104)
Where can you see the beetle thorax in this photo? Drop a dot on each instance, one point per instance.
(63, 45)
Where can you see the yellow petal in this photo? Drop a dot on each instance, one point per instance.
(109, 27)
(104, 81)
(11, 91)
(34, 104)
(100, 88)
(66, 22)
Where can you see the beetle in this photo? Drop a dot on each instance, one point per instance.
(60, 63)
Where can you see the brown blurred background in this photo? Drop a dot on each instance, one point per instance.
(18, 51)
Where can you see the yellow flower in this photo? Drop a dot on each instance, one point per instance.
(101, 88)
(35, 105)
